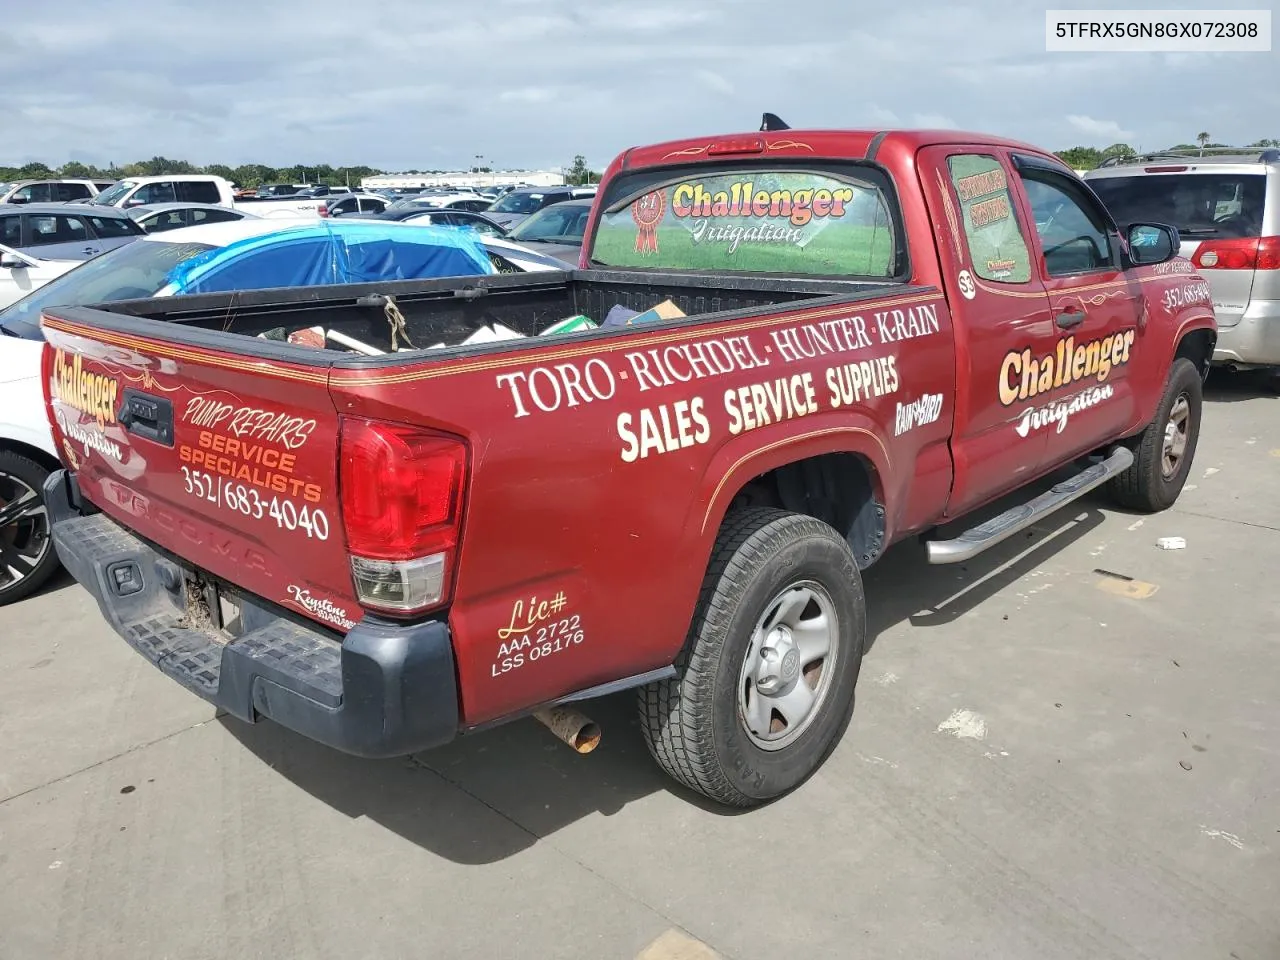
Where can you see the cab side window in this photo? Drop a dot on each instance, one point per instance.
(11, 231)
(997, 246)
(159, 192)
(1073, 236)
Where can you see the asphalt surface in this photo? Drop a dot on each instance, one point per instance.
(1067, 749)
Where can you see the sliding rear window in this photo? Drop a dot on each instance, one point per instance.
(837, 220)
(1199, 204)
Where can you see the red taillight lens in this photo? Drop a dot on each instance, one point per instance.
(1268, 254)
(402, 490)
(1240, 253)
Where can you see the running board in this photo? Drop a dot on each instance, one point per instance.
(977, 539)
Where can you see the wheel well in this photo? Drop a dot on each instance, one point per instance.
(1197, 346)
(836, 488)
(41, 457)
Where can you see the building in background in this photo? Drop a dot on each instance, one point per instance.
(465, 178)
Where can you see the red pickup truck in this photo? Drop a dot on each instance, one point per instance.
(855, 338)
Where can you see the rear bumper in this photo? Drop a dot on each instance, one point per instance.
(386, 690)
(1255, 340)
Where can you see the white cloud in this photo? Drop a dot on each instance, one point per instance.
(533, 82)
(526, 95)
(933, 121)
(714, 81)
(1099, 130)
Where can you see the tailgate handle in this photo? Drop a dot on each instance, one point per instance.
(148, 417)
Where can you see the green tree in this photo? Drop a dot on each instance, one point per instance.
(77, 170)
(34, 171)
(1081, 158)
(1203, 140)
(579, 172)
(1119, 150)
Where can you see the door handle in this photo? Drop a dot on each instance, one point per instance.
(1070, 319)
(90, 251)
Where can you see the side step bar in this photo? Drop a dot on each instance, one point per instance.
(977, 539)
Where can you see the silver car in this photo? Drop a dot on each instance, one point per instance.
(65, 231)
(1227, 211)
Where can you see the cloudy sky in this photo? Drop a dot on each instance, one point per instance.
(401, 84)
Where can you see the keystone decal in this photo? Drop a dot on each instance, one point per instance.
(1024, 375)
(90, 393)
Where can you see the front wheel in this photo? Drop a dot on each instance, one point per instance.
(765, 681)
(1165, 449)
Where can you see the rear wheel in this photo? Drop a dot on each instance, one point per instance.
(1165, 449)
(765, 682)
(27, 557)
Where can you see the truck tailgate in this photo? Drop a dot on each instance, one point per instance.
(227, 462)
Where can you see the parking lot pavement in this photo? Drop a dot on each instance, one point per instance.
(1065, 749)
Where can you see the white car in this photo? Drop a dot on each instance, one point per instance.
(236, 255)
(203, 188)
(21, 274)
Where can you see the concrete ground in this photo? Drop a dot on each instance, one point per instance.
(1067, 749)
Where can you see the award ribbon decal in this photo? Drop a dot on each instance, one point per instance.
(647, 213)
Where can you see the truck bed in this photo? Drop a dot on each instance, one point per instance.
(448, 310)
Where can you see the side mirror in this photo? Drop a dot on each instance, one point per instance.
(1151, 243)
(12, 261)
(17, 200)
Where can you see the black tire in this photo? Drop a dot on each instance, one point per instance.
(1146, 486)
(23, 532)
(692, 722)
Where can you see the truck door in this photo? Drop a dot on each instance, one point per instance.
(1000, 310)
(1083, 395)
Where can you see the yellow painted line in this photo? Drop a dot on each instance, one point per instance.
(1275, 453)
(1129, 589)
(677, 945)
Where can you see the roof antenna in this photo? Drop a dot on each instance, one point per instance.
(771, 121)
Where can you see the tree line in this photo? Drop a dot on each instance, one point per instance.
(247, 175)
(251, 175)
(1086, 158)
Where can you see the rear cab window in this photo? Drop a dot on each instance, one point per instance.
(198, 191)
(838, 221)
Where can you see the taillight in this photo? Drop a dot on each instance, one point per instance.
(1239, 253)
(323, 209)
(402, 490)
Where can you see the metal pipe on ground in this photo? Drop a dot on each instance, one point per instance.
(578, 731)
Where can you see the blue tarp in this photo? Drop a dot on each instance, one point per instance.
(330, 252)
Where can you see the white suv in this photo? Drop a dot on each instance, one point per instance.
(1227, 211)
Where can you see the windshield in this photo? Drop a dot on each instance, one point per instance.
(125, 273)
(560, 222)
(518, 203)
(1198, 204)
(753, 219)
(109, 196)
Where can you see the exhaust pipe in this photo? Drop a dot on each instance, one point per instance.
(569, 725)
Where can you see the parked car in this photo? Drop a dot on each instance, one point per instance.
(444, 217)
(246, 254)
(62, 231)
(354, 205)
(22, 274)
(51, 191)
(846, 340)
(202, 188)
(1227, 211)
(557, 230)
(174, 216)
(518, 204)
